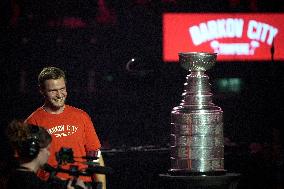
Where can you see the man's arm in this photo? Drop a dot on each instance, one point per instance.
(93, 143)
(101, 177)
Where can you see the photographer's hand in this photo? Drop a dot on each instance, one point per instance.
(79, 184)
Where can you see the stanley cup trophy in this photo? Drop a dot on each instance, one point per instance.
(197, 145)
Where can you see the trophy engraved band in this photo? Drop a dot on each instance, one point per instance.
(197, 145)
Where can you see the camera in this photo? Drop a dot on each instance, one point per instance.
(65, 155)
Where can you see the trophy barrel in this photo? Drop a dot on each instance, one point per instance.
(197, 144)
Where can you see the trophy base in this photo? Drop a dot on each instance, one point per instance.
(179, 172)
(224, 181)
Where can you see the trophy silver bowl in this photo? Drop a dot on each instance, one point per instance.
(197, 144)
(201, 61)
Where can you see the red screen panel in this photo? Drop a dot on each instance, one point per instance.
(233, 36)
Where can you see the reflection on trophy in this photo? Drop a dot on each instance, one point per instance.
(197, 145)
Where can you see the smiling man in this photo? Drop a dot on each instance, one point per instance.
(69, 127)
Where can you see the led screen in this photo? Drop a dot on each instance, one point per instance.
(233, 36)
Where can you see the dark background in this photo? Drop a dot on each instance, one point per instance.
(93, 40)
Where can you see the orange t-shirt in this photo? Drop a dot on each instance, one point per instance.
(72, 128)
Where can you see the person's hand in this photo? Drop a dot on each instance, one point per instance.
(69, 185)
(78, 185)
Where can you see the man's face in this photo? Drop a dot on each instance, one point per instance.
(54, 92)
